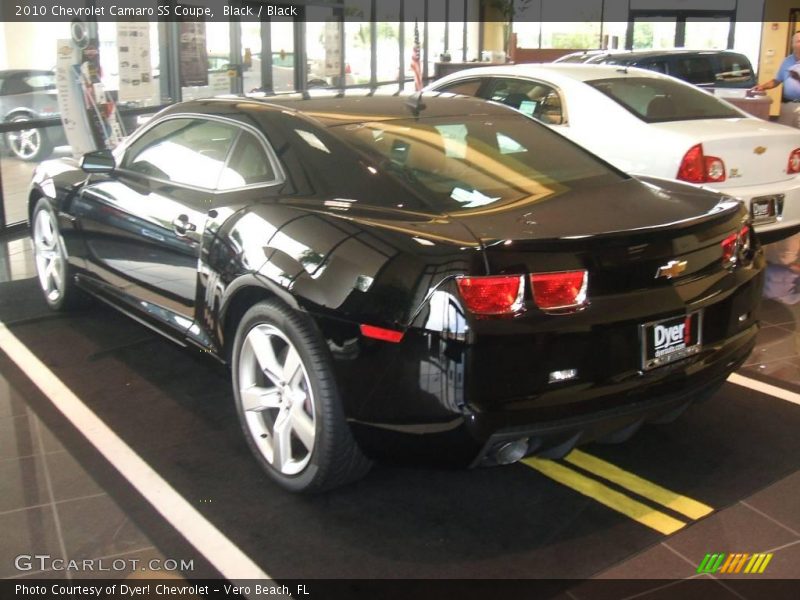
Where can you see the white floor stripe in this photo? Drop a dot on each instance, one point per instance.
(765, 388)
(221, 552)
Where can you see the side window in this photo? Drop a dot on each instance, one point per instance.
(532, 98)
(187, 151)
(695, 70)
(42, 81)
(16, 85)
(659, 66)
(734, 71)
(248, 165)
(466, 88)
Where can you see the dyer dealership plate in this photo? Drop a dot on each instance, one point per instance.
(764, 209)
(670, 339)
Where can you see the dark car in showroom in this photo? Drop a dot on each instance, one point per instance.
(721, 70)
(408, 278)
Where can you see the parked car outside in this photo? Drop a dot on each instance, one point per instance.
(652, 124)
(418, 278)
(26, 95)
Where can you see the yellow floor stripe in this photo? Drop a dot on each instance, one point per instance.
(646, 489)
(603, 494)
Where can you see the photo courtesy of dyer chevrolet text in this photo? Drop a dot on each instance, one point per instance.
(161, 589)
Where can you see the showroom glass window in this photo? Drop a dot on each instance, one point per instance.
(185, 151)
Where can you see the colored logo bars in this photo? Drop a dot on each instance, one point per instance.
(733, 563)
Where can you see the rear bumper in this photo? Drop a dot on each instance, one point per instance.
(788, 222)
(653, 396)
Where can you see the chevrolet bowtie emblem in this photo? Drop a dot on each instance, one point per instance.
(759, 149)
(672, 269)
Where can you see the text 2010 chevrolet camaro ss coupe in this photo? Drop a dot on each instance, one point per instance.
(406, 277)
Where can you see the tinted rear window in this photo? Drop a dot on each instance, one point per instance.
(660, 100)
(475, 163)
(734, 71)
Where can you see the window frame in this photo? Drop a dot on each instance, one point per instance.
(277, 168)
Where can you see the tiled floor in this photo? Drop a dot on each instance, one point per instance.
(49, 503)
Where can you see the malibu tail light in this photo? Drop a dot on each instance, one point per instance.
(564, 291)
(696, 167)
(794, 162)
(492, 294)
(736, 246)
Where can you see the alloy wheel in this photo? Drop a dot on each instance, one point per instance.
(49, 255)
(25, 144)
(276, 399)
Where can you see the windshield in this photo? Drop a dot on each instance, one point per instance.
(656, 100)
(466, 163)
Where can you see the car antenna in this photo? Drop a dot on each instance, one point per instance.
(415, 103)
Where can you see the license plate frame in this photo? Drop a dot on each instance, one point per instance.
(765, 209)
(673, 347)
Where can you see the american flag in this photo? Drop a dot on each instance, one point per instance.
(416, 66)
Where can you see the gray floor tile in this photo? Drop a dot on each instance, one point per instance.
(774, 343)
(735, 529)
(11, 403)
(22, 483)
(18, 437)
(772, 312)
(780, 501)
(69, 479)
(27, 532)
(656, 563)
(50, 442)
(96, 527)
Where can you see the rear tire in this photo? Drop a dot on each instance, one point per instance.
(50, 257)
(288, 403)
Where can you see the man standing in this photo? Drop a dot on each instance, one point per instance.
(789, 76)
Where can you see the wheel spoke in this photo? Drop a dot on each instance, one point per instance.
(264, 352)
(281, 441)
(291, 365)
(55, 272)
(257, 398)
(302, 425)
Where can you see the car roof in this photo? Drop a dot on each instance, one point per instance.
(561, 71)
(654, 53)
(331, 109)
(15, 72)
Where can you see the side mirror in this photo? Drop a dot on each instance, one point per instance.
(99, 161)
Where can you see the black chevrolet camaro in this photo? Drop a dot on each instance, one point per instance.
(417, 278)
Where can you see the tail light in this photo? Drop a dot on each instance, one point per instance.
(566, 290)
(492, 295)
(794, 161)
(699, 168)
(736, 246)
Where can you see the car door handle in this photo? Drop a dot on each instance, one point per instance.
(182, 225)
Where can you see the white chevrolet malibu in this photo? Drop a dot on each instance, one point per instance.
(651, 124)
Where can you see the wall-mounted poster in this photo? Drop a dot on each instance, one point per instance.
(194, 58)
(136, 82)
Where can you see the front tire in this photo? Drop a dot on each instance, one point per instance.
(288, 403)
(50, 257)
